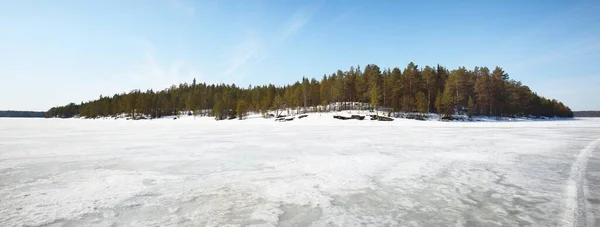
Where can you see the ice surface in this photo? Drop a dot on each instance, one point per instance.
(315, 171)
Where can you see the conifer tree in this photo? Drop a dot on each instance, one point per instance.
(439, 105)
(471, 107)
(421, 101)
(241, 109)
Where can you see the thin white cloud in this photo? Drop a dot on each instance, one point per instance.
(298, 20)
(152, 73)
(296, 23)
(250, 50)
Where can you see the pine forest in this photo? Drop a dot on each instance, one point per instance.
(473, 92)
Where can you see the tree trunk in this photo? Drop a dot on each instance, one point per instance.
(428, 100)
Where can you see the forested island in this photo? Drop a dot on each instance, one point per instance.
(473, 92)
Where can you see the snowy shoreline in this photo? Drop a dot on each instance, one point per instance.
(348, 113)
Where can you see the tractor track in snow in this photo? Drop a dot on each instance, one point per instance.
(575, 212)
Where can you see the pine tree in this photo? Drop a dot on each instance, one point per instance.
(241, 109)
(439, 105)
(396, 76)
(471, 107)
(410, 84)
(305, 93)
(219, 109)
(362, 88)
(278, 103)
(190, 101)
(482, 91)
(315, 93)
(430, 83)
(374, 91)
(338, 87)
(448, 104)
(421, 101)
(497, 92)
(350, 84)
(373, 73)
(325, 91)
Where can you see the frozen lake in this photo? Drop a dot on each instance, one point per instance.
(315, 171)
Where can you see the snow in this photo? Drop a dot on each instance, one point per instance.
(319, 171)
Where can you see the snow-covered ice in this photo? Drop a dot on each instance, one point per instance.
(315, 171)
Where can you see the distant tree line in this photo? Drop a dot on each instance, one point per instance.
(28, 114)
(586, 113)
(479, 91)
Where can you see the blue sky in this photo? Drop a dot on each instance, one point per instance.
(56, 52)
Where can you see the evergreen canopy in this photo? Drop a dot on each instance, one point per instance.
(426, 90)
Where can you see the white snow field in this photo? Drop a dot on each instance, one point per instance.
(315, 171)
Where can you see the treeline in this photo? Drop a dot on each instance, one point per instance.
(28, 114)
(586, 113)
(478, 91)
